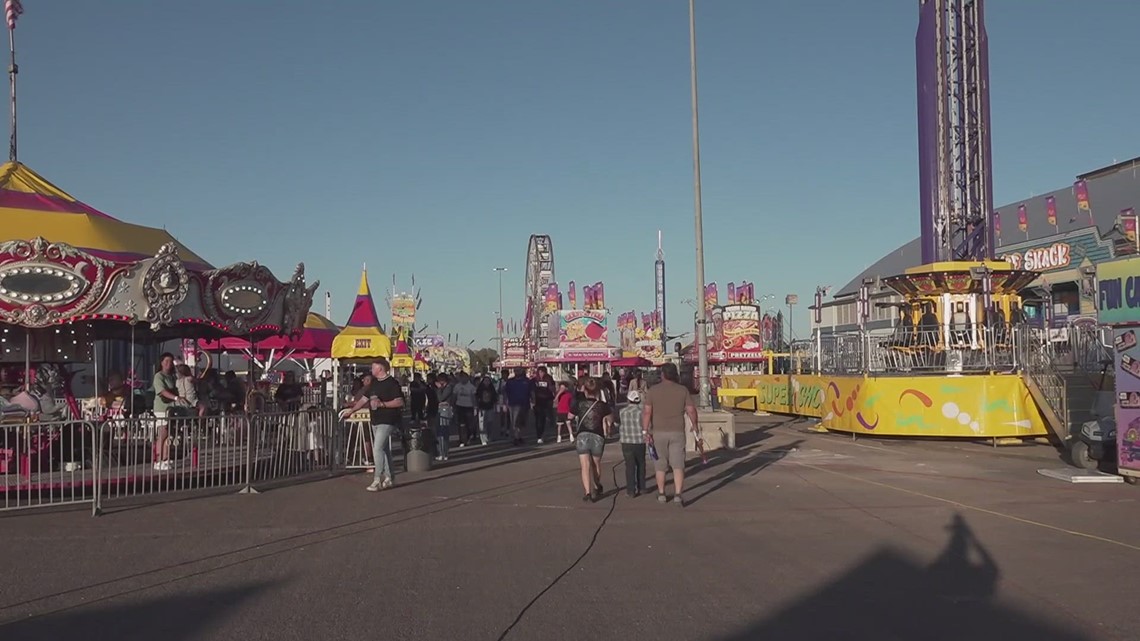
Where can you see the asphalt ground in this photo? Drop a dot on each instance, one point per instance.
(794, 535)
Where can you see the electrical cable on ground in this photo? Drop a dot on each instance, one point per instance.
(593, 540)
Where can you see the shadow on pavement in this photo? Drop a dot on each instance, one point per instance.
(186, 615)
(757, 433)
(751, 464)
(890, 596)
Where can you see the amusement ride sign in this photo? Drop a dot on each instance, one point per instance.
(1042, 259)
(1118, 285)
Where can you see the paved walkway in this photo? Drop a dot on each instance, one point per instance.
(796, 535)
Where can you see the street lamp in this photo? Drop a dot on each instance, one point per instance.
(703, 400)
(790, 300)
(499, 324)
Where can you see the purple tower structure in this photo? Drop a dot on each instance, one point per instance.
(955, 179)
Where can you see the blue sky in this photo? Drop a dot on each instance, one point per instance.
(435, 136)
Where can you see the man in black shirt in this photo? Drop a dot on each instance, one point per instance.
(543, 400)
(385, 399)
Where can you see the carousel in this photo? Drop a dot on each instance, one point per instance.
(71, 276)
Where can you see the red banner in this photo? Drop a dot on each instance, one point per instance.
(1051, 210)
(1022, 219)
(1081, 192)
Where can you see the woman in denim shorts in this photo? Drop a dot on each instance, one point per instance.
(587, 414)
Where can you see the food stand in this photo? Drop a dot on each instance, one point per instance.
(577, 338)
(1118, 307)
(514, 354)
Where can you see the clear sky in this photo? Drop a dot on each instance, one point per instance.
(434, 136)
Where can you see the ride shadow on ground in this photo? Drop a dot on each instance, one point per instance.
(890, 595)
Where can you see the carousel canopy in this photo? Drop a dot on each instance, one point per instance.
(314, 341)
(65, 263)
(362, 337)
(31, 206)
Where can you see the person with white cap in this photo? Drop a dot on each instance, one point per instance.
(632, 438)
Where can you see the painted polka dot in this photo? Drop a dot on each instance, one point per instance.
(950, 410)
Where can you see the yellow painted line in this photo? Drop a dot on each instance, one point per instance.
(975, 508)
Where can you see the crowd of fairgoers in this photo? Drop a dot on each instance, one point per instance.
(480, 409)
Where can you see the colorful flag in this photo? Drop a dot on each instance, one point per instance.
(600, 294)
(1022, 219)
(1081, 191)
(12, 10)
(1128, 221)
(732, 293)
(1051, 210)
(573, 295)
(997, 225)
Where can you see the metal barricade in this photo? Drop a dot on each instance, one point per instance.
(45, 464)
(148, 455)
(120, 458)
(291, 444)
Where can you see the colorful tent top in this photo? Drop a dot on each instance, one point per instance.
(31, 207)
(402, 354)
(314, 341)
(362, 337)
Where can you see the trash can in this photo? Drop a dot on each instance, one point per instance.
(418, 455)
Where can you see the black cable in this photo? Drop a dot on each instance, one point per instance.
(593, 540)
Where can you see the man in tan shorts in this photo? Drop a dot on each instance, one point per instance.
(663, 419)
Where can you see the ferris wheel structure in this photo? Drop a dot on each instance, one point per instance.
(539, 276)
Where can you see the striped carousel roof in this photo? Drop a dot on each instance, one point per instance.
(30, 207)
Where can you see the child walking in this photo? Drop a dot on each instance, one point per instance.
(632, 444)
(563, 401)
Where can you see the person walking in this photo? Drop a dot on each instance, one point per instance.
(445, 401)
(417, 394)
(465, 408)
(563, 402)
(665, 407)
(518, 391)
(543, 402)
(485, 398)
(385, 399)
(504, 411)
(588, 413)
(632, 437)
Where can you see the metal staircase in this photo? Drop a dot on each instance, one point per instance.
(1066, 381)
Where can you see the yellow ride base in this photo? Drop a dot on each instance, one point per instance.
(983, 406)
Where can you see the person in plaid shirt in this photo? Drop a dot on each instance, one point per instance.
(632, 444)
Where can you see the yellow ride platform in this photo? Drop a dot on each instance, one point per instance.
(978, 406)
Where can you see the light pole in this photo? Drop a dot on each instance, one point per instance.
(790, 300)
(499, 324)
(703, 401)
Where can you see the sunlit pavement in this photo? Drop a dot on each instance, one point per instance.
(796, 535)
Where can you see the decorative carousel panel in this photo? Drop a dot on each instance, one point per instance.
(247, 297)
(43, 283)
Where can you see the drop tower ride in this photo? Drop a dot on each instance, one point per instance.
(955, 176)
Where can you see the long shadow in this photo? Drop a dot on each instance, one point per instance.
(890, 596)
(752, 464)
(499, 458)
(759, 433)
(185, 615)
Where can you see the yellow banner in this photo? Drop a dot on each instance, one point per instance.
(968, 406)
